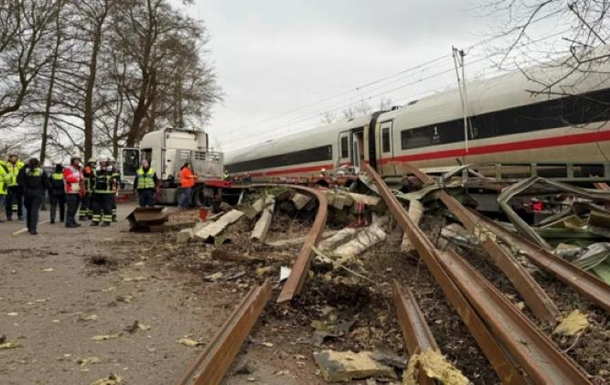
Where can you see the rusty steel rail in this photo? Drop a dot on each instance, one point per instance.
(519, 337)
(593, 288)
(298, 275)
(415, 330)
(210, 367)
(534, 296)
(535, 351)
(495, 353)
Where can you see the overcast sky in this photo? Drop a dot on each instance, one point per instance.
(273, 56)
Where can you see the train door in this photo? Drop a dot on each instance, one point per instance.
(386, 149)
(357, 149)
(345, 152)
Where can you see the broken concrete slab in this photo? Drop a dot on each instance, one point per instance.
(261, 228)
(293, 242)
(341, 201)
(340, 238)
(255, 208)
(368, 200)
(185, 235)
(416, 212)
(215, 228)
(300, 200)
(366, 239)
(347, 366)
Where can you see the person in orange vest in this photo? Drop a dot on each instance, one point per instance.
(187, 179)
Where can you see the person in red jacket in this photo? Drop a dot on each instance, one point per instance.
(187, 180)
(75, 189)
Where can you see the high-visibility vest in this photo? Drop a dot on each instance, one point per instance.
(4, 178)
(13, 171)
(58, 176)
(146, 178)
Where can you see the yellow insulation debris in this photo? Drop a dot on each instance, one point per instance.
(436, 366)
(574, 323)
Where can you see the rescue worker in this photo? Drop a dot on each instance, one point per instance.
(226, 175)
(57, 193)
(75, 190)
(116, 174)
(86, 211)
(103, 194)
(4, 179)
(187, 180)
(146, 183)
(14, 198)
(34, 182)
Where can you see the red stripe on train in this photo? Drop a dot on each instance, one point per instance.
(505, 147)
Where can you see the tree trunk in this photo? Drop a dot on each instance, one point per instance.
(47, 111)
(88, 118)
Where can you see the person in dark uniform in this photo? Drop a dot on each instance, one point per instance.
(57, 193)
(116, 174)
(34, 182)
(86, 207)
(103, 195)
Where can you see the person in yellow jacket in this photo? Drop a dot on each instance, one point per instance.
(14, 198)
(4, 179)
(145, 184)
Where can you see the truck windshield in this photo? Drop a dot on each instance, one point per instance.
(131, 161)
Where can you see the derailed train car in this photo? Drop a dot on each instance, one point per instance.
(562, 132)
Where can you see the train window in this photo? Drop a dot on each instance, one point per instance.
(588, 170)
(385, 139)
(552, 170)
(344, 147)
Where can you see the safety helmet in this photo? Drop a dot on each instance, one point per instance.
(74, 157)
(91, 160)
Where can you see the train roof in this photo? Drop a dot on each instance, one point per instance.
(509, 90)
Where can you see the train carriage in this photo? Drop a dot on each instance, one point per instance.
(563, 133)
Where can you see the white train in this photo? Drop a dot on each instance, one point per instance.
(563, 134)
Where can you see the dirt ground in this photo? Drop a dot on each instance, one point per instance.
(63, 287)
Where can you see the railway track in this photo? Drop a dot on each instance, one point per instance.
(518, 351)
(211, 366)
(525, 346)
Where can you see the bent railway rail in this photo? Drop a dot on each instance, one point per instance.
(534, 296)
(212, 364)
(504, 323)
(298, 274)
(210, 367)
(593, 288)
(417, 334)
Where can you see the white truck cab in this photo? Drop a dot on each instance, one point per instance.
(168, 150)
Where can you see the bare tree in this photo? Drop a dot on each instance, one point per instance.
(24, 26)
(359, 109)
(328, 117)
(54, 60)
(582, 47)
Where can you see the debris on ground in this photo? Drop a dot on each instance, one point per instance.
(189, 342)
(436, 366)
(574, 323)
(347, 366)
(110, 380)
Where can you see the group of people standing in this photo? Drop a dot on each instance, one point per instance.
(92, 189)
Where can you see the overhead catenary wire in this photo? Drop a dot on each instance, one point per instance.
(364, 97)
